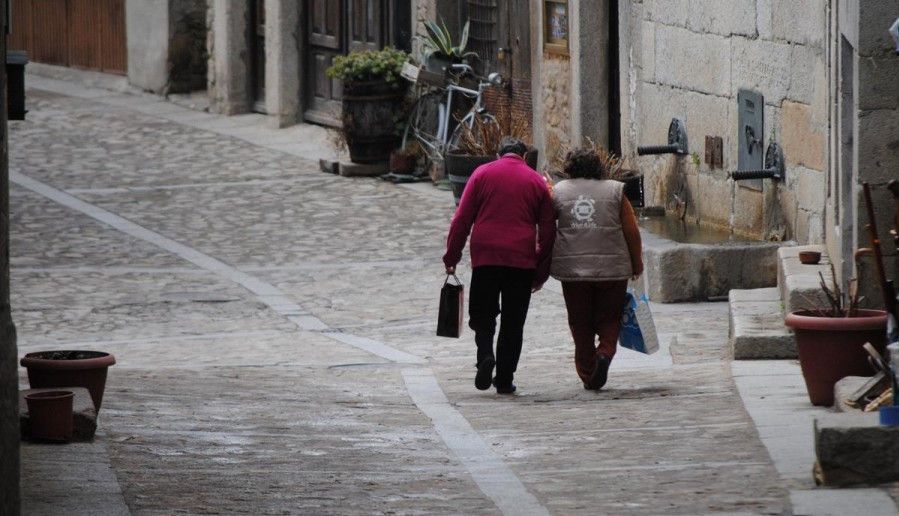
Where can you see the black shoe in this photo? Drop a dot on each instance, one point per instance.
(600, 373)
(485, 374)
(504, 389)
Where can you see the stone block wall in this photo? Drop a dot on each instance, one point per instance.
(424, 11)
(877, 66)
(555, 93)
(688, 59)
(166, 43)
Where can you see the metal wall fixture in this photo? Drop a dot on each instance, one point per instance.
(677, 141)
(775, 168)
(750, 134)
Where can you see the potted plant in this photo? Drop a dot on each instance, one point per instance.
(477, 145)
(373, 97)
(405, 160)
(50, 415)
(69, 369)
(439, 51)
(830, 340)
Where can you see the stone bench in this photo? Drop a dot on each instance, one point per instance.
(800, 284)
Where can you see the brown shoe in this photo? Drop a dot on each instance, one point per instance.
(600, 373)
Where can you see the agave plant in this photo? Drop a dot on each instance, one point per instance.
(440, 41)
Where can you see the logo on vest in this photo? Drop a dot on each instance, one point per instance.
(583, 211)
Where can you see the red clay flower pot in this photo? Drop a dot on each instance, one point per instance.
(50, 415)
(830, 348)
(69, 369)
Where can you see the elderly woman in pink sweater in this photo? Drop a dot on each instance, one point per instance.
(507, 208)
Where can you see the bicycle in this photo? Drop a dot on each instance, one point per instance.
(431, 121)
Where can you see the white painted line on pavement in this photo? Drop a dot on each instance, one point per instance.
(375, 348)
(267, 293)
(489, 472)
(839, 502)
(23, 342)
(186, 186)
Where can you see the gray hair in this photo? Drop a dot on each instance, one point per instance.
(510, 145)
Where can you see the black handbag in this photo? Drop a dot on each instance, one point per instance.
(452, 301)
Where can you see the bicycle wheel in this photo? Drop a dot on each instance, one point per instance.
(465, 124)
(424, 124)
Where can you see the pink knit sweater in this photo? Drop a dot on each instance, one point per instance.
(507, 209)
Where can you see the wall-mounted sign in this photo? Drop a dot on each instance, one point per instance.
(555, 23)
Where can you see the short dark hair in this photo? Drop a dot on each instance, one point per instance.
(510, 145)
(583, 163)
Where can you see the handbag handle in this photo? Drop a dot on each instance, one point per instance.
(459, 283)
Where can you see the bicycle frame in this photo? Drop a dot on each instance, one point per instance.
(436, 145)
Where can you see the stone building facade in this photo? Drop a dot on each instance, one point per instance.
(274, 43)
(166, 42)
(825, 69)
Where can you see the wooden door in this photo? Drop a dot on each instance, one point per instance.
(500, 33)
(49, 28)
(516, 58)
(365, 20)
(325, 40)
(79, 33)
(337, 27)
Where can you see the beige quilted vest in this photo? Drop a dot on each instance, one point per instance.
(590, 244)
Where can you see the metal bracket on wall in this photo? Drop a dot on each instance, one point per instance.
(714, 152)
(775, 167)
(677, 141)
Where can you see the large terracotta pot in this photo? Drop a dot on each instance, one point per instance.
(830, 348)
(371, 114)
(50, 415)
(69, 369)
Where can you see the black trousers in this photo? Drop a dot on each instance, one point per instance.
(492, 287)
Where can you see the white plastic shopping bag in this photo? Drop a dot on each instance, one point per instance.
(638, 331)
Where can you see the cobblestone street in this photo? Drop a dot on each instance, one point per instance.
(274, 332)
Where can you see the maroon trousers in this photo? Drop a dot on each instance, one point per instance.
(594, 309)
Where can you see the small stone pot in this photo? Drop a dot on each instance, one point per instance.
(402, 163)
(809, 257)
(69, 369)
(831, 348)
(50, 415)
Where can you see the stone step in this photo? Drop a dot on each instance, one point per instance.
(852, 448)
(800, 284)
(757, 328)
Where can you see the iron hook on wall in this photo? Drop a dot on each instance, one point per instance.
(775, 168)
(677, 141)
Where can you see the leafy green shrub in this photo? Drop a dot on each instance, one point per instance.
(370, 65)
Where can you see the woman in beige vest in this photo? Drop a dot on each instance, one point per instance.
(597, 250)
